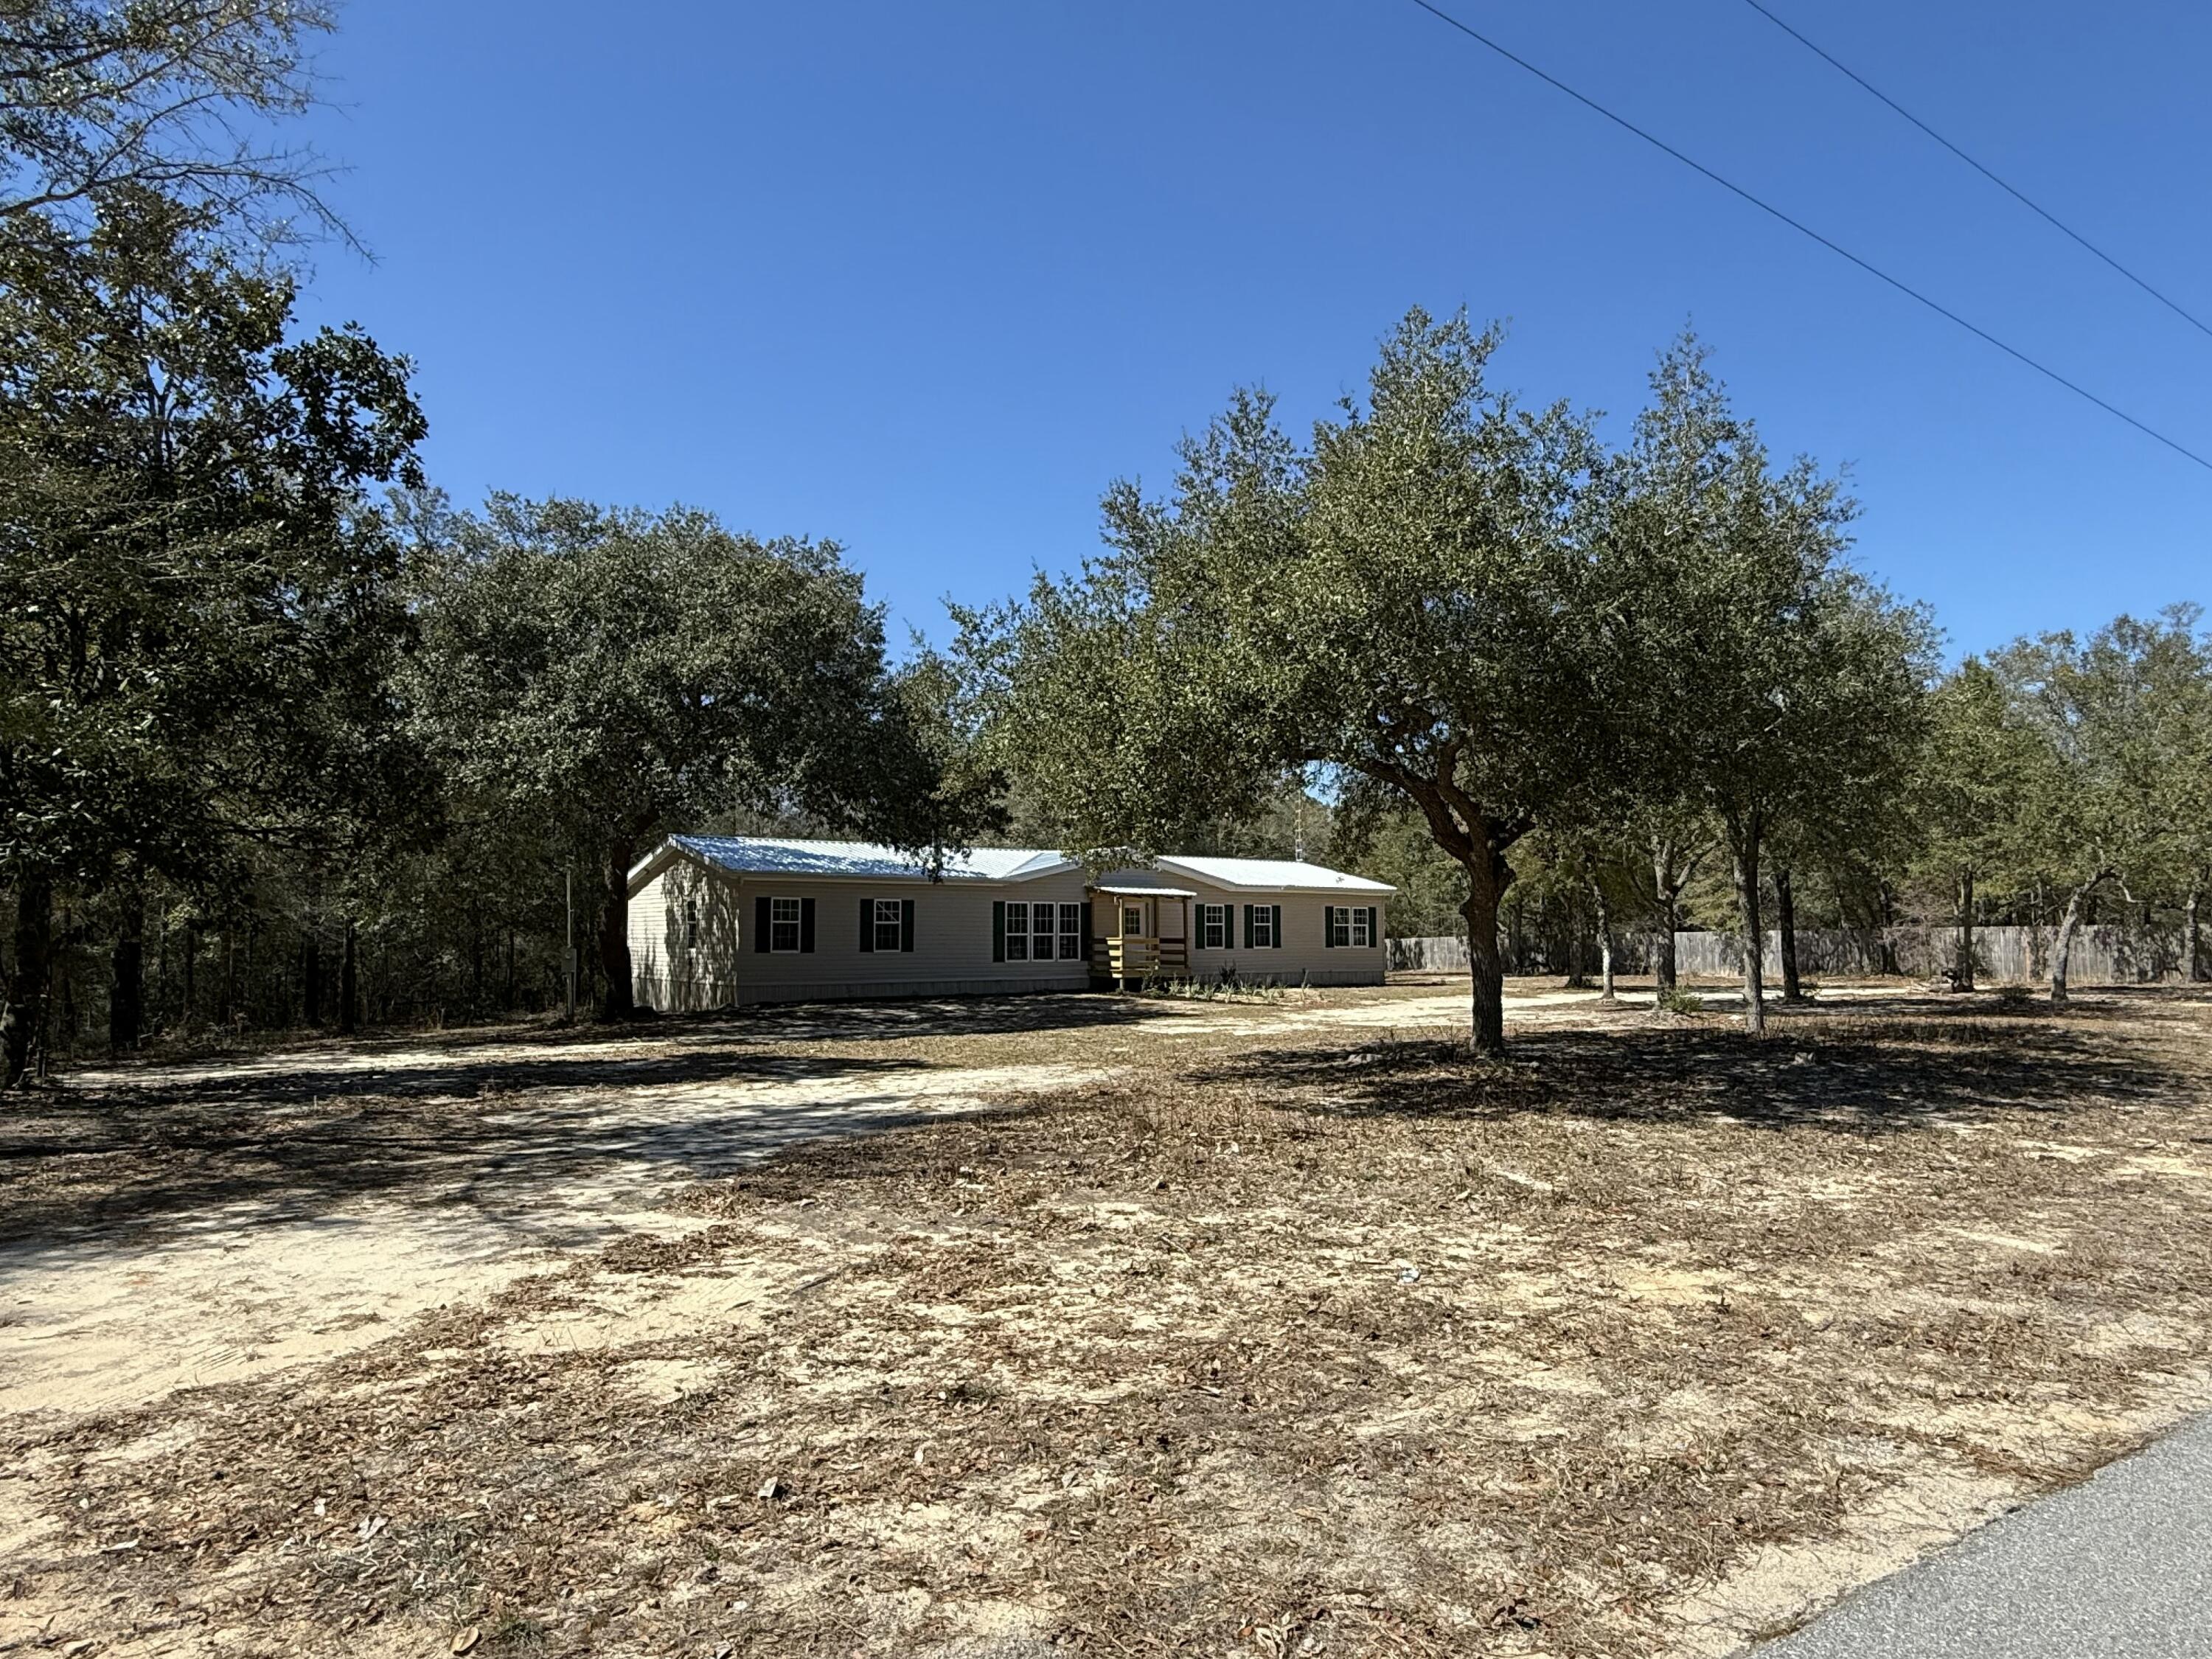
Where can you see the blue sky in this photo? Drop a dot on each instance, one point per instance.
(924, 278)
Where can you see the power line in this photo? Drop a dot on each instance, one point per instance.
(2041, 212)
(1805, 230)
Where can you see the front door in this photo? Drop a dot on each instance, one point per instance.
(1133, 921)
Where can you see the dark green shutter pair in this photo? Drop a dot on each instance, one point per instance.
(1274, 925)
(1328, 925)
(868, 924)
(761, 935)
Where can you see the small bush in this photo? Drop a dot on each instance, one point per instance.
(2015, 999)
(1673, 999)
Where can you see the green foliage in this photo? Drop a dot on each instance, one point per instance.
(197, 607)
(613, 676)
(1407, 603)
(1782, 692)
(157, 97)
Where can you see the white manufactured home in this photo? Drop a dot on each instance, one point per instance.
(717, 921)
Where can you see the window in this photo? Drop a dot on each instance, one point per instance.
(1360, 917)
(1040, 927)
(783, 924)
(887, 925)
(1071, 941)
(691, 924)
(1351, 924)
(1263, 927)
(1133, 921)
(1017, 931)
(1214, 928)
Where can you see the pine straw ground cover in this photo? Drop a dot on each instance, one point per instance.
(1318, 1346)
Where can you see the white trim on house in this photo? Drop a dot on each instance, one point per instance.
(709, 925)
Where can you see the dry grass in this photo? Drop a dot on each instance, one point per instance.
(1306, 1344)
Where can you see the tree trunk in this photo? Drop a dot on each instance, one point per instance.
(2068, 920)
(1965, 977)
(349, 981)
(310, 977)
(1667, 888)
(1744, 836)
(1605, 940)
(1785, 918)
(614, 930)
(192, 971)
(1488, 876)
(126, 998)
(27, 990)
(2192, 953)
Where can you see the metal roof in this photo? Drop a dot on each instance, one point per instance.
(779, 855)
(1272, 875)
(773, 855)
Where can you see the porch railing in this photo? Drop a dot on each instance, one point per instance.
(1134, 955)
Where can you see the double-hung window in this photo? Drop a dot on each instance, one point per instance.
(1351, 924)
(1214, 925)
(887, 927)
(783, 924)
(1263, 927)
(1041, 917)
(690, 925)
(1017, 931)
(1070, 933)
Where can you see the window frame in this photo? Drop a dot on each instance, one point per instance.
(1360, 933)
(1017, 938)
(889, 913)
(1216, 931)
(1263, 927)
(777, 921)
(1072, 944)
(1044, 911)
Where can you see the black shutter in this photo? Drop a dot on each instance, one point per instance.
(1275, 924)
(997, 930)
(1088, 949)
(906, 924)
(760, 923)
(1327, 926)
(1374, 932)
(807, 925)
(1247, 927)
(867, 924)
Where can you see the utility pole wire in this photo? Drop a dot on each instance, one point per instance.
(1805, 230)
(2041, 212)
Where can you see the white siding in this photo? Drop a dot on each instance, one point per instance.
(1301, 957)
(692, 947)
(684, 936)
(952, 954)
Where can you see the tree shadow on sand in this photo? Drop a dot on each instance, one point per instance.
(1853, 1072)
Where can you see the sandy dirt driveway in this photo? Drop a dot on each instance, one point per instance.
(235, 1216)
(416, 1175)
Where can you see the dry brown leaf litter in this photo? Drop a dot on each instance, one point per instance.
(1329, 1347)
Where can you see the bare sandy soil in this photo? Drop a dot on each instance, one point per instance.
(1110, 1324)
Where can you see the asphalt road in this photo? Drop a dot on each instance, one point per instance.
(2120, 1567)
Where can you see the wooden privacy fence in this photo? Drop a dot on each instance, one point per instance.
(2106, 954)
